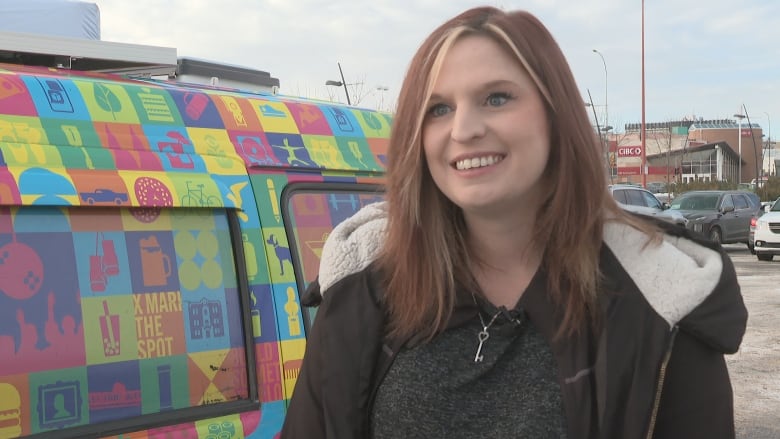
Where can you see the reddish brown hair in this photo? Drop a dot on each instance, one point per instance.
(425, 256)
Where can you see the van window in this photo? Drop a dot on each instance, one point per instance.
(109, 314)
(313, 211)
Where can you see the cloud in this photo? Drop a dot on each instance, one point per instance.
(709, 56)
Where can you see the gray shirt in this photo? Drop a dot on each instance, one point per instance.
(437, 390)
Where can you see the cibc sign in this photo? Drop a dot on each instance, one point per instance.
(629, 151)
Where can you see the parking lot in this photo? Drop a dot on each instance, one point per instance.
(755, 369)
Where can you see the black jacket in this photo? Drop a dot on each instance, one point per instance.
(654, 369)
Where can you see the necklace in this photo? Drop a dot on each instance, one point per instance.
(483, 335)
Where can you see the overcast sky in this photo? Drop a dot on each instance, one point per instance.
(702, 58)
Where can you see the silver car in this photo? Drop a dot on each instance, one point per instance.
(642, 201)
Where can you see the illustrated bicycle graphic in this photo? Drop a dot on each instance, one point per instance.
(196, 198)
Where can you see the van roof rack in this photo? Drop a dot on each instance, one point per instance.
(82, 54)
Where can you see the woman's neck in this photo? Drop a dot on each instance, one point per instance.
(505, 258)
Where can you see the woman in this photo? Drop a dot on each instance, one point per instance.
(500, 292)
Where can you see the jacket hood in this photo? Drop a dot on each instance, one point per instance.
(684, 280)
(352, 245)
(689, 282)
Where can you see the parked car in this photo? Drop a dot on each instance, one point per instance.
(722, 216)
(766, 234)
(642, 201)
(656, 187)
(766, 206)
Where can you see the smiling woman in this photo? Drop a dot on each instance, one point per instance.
(497, 293)
(477, 153)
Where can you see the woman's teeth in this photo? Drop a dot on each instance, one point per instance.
(477, 162)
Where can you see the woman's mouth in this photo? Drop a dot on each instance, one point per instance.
(478, 162)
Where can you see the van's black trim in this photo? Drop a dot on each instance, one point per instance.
(326, 188)
(245, 302)
(150, 421)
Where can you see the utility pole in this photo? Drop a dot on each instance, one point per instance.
(643, 131)
(739, 141)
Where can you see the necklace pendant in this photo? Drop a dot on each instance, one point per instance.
(481, 336)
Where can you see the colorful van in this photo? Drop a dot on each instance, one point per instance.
(154, 241)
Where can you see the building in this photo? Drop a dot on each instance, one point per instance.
(691, 150)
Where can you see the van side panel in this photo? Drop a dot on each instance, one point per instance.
(104, 186)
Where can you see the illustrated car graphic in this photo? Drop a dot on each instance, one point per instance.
(103, 196)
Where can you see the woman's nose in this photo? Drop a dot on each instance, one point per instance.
(467, 124)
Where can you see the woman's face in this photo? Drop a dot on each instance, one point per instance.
(485, 135)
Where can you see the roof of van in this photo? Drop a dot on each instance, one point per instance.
(81, 132)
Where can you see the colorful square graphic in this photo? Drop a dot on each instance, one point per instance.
(40, 309)
(164, 383)
(196, 108)
(309, 119)
(342, 121)
(290, 149)
(205, 322)
(217, 376)
(263, 313)
(114, 391)
(274, 116)
(14, 94)
(324, 151)
(59, 399)
(107, 102)
(255, 257)
(227, 427)
(103, 267)
(159, 324)
(199, 261)
(152, 259)
(289, 311)
(269, 372)
(373, 123)
(357, 154)
(15, 397)
(153, 105)
(110, 330)
(268, 188)
(254, 148)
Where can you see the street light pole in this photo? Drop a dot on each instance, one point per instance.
(643, 131)
(739, 141)
(606, 88)
(768, 142)
(345, 84)
(340, 84)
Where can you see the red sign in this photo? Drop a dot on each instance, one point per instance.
(746, 132)
(629, 151)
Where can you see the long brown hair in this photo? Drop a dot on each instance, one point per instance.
(425, 256)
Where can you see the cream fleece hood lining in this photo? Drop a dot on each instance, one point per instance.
(656, 269)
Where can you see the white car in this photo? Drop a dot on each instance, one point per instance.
(766, 237)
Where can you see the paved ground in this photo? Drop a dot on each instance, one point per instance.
(755, 369)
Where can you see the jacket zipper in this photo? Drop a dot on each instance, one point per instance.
(660, 384)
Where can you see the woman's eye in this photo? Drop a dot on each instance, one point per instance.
(498, 99)
(438, 110)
